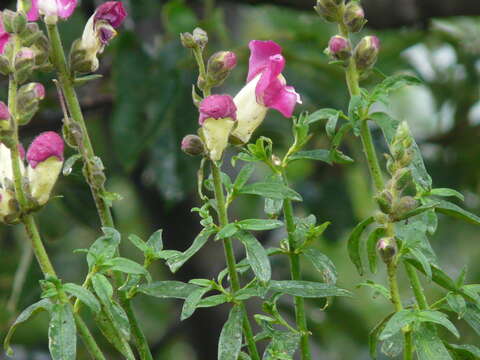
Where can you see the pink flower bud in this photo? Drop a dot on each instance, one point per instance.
(339, 48)
(219, 67)
(4, 37)
(4, 112)
(39, 91)
(46, 145)
(25, 54)
(354, 17)
(366, 52)
(112, 12)
(192, 145)
(217, 107)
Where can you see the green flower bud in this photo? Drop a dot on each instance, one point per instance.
(200, 37)
(4, 65)
(329, 9)
(384, 201)
(193, 145)
(187, 40)
(404, 205)
(14, 22)
(354, 17)
(220, 66)
(24, 64)
(387, 248)
(366, 52)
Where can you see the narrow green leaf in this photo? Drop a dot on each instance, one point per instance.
(377, 288)
(271, 191)
(243, 176)
(227, 231)
(422, 259)
(257, 256)
(283, 346)
(25, 315)
(373, 238)
(446, 192)
(177, 261)
(62, 333)
(472, 317)
(428, 345)
(80, 81)
(138, 243)
(126, 266)
(120, 320)
(84, 295)
(212, 301)
(317, 155)
(323, 264)
(323, 114)
(398, 321)
(450, 209)
(463, 352)
(230, 342)
(168, 289)
(307, 289)
(417, 211)
(374, 334)
(103, 248)
(111, 333)
(103, 288)
(437, 317)
(331, 125)
(192, 301)
(155, 241)
(259, 224)
(354, 243)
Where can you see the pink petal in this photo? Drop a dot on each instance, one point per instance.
(44, 146)
(272, 90)
(217, 107)
(33, 13)
(260, 53)
(66, 8)
(4, 37)
(111, 11)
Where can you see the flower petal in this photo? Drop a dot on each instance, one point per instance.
(260, 53)
(33, 13)
(66, 8)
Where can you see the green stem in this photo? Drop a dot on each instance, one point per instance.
(88, 339)
(103, 208)
(408, 346)
(416, 286)
(296, 275)
(392, 281)
(230, 258)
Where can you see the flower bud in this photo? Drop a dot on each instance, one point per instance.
(354, 17)
(200, 37)
(339, 48)
(7, 208)
(384, 201)
(28, 100)
(329, 9)
(187, 40)
(45, 159)
(387, 248)
(366, 52)
(219, 67)
(4, 65)
(4, 117)
(218, 114)
(24, 64)
(404, 205)
(4, 37)
(192, 145)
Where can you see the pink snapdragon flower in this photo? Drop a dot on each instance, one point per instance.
(52, 8)
(112, 12)
(4, 37)
(218, 114)
(266, 89)
(45, 159)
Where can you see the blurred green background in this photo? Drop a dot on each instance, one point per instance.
(142, 108)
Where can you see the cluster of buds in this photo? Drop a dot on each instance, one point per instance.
(101, 28)
(224, 118)
(44, 163)
(391, 201)
(351, 17)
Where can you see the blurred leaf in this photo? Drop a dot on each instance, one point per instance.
(450, 209)
(168, 289)
(354, 243)
(62, 333)
(178, 17)
(446, 192)
(244, 175)
(259, 224)
(463, 352)
(307, 289)
(374, 334)
(155, 241)
(283, 346)
(271, 190)
(323, 264)
(428, 345)
(230, 341)
(319, 155)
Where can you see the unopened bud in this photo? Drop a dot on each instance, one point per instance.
(354, 17)
(28, 100)
(187, 40)
(200, 37)
(366, 52)
(339, 48)
(402, 178)
(4, 65)
(384, 201)
(31, 34)
(387, 248)
(4, 117)
(24, 64)
(192, 145)
(219, 67)
(404, 205)
(329, 9)
(406, 159)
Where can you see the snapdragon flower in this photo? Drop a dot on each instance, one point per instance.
(266, 88)
(52, 9)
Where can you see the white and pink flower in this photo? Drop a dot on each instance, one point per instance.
(266, 89)
(51, 8)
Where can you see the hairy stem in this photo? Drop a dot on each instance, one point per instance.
(230, 258)
(416, 286)
(66, 81)
(296, 275)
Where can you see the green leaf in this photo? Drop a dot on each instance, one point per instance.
(213, 300)
(457, 303)
(230, 342)
(25, 315)
(373, 238)
(377, 288)
(80, 81)
(103, 248)
(323, 114)
(318, 155)
(138, 243)
(398, 321)
(168, 289)
(271, 191)
(259, 224)
(84, 295)
(463, 352)
(307, 289)
(243, 176)
(322, 264)
(417, 211)
(446, 192)
(192, 301)
(283, 346)
(120, 320)
(428, 345)
(69, 163)
(62, 333)
(354, 243)
(126, 266)
(450, 209)
(111, 333)
(331, 125)
(155, 241)
(257, 256)
(176, 262)
(472, 317)
(227, 231)
(422, 259)
(437, 317)
(390, 84)
(374, 334)
(273, 207)
(103, 288)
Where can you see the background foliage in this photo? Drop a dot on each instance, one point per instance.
(137, 132)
